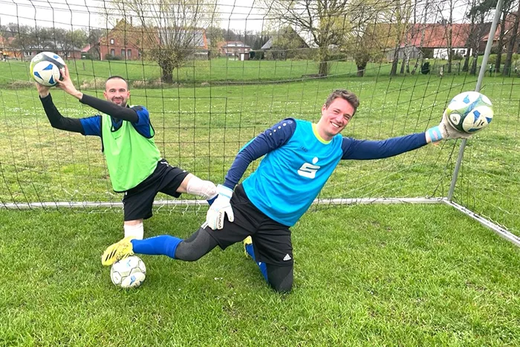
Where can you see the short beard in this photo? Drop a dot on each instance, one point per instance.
(122, 104)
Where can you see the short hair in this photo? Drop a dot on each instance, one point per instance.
(345, 95)
(119, 78)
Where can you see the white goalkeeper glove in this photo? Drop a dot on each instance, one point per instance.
(220, 208)
(445, 131)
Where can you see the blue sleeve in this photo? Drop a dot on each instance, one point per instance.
(268, 141)
(365, 150)
(143, 124)
(91, 125)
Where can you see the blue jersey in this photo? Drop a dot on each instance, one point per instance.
(92, 125)
(298, 163)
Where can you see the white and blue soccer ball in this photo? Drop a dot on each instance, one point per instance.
(129, 272)
(470, 112)
(45, 68)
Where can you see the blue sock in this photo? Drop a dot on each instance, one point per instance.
(262, 266)
(158, 245)
(250, 250)
(263, 269)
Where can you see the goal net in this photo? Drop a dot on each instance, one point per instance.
(214, 74)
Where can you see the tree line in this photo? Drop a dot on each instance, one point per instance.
(363, 30)
(30, 38)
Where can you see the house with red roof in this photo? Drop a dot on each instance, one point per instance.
(128, 42)
(434, 37)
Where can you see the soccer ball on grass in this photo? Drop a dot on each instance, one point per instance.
(129, 272)
(45, 68)
(470, 112)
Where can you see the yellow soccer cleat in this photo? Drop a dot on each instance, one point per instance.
(117, 251)
(247, 241)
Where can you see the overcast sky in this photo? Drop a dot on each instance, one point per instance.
(239, 15)
(79, 14)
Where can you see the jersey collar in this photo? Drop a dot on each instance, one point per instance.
(315, 131)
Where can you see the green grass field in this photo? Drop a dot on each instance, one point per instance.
(376, 275)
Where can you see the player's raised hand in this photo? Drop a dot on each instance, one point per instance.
(43, 91)
(220, 208)
(65, 83)
(445, 131)
(467, 113)
(449, 131)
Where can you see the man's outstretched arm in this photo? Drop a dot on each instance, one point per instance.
(110, 108)
(104, 106)
(55, 118)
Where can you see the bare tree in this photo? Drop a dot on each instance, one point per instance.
(94, 36)
(448, 28)
(324, 21)
(367, 38)
(22, 34)
(367, 47)
(400, 13)
(478, 35)
(171, 30)
(512, 43)
(449, 34)
(500, 45)
(477, 14)
(214, 35)
(71, 40)
(485, 7)
(425, 11)
(287, 44)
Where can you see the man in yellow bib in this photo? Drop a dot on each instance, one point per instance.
(134, 162)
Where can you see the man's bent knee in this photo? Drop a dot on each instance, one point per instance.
(282, 287)
(196, 246)
(280, 278)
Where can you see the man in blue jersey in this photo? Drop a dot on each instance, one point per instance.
(134, 162)
(299, 158)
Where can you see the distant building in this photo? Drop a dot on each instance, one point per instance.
(267, 45)
(122, 41)
(235, 49)
(127, 42)
(287, 43)
(6, 51)
(431, 36)
(90, 52)
(67, 53)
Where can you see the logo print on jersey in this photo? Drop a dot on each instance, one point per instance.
(309, 170)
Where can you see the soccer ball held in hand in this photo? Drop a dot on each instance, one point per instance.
(45, 68)
(469, 112)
